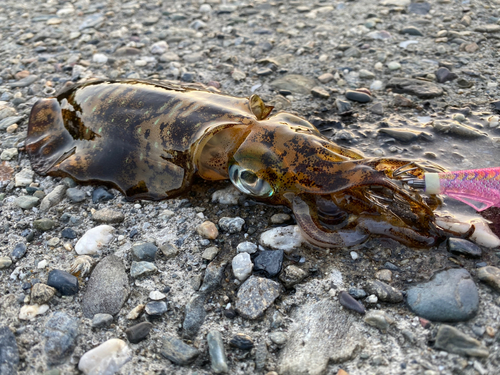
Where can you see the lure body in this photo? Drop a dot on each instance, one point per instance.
(149, 139)
(479, 188)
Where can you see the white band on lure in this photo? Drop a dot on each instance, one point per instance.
(432, 184)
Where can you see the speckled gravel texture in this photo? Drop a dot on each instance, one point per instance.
(329, 48)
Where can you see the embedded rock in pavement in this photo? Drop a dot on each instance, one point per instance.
(450, 296)
(255, 296)
(321, 332)
(107, 289)
(419, 88)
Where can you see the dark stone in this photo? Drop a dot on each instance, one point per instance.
(156, 308)
(144, 252)
(391, 266)
(255, 295)
(412, 30)
(9, 354)
(449, 296)
(459, 246)
(188, 76)
(178, 352)
(268, 263)
(350, 303)
(138, 332)
(68, 233)
(419, 88)
(444, 75)
(18, 252)
(24, 82)
(107, 289)
(64, 282)
(195, 315)
(213, 276)
(358, 96)
(241, 341)
(384, 292)
(357, 293)
(101, 194)
(61, 331)
(75, 195)
(343, 106)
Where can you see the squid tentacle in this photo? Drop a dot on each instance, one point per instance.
(316, 236)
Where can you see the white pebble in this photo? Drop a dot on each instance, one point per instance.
(372, 298)
(94, 240)
(354, 255)
(42, 264)
(100, 58)
(394, 65)
(159, 48)
(29, 312)
(483, 235)
(9, 154)
(246, 247)
(24, 178)
(282, 238)
(140, 62)
(205, 8)
(156, 295)
(228, 195)
(376, 85)
(106, 359)
(242, 266)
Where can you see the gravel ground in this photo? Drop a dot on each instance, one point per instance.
(431, 71)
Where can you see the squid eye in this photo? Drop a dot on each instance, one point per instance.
(248, 182)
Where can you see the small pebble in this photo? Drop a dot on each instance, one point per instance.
(156, 308)
(94, 240)
(138, 332)
(241, 341)
(210, 253)
(292, 275)
(358, 96)
(350, 303)
(451, 340)
(459, 246)
(282, 238)
(242, 266)
(75, 195)
(255, 295)
(30, 312)
(64, 282)
(106, 358)
(279, 338)
(177, 352)
(491, 276)
(217, 353)
(101, 194)
(246, 247)
(144, 252)
(207, 230)
(268, 263)
(378, 319)
(18, 252)
(231, 224)
(102, 320)
(139, 269)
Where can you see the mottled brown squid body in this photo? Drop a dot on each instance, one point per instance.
(139, 137)
(149, 139)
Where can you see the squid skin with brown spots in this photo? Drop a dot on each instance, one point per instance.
(149, 139)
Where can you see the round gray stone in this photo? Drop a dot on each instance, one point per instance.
(107, 288)
(450, 296)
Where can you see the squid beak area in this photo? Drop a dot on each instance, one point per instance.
(323, 224)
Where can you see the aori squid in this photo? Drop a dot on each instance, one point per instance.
(149, 139)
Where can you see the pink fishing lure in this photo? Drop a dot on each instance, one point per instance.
(479, 188)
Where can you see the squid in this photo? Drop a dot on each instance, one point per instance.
(149, 139)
